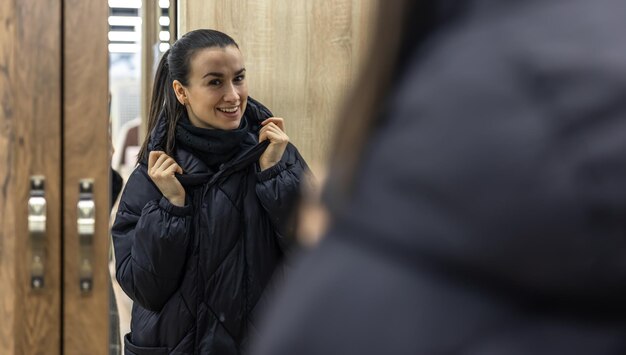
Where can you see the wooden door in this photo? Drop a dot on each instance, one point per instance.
(30, 145)
(85, 159)
(53, 132)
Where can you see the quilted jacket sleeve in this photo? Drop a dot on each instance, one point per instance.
(150, 237)
(278, 189)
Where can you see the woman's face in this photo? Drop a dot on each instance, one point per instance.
(217, 92)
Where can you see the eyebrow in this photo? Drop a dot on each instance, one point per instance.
(220, 75)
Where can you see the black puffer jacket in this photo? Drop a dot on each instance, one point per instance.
(196, 273)
(489, 216)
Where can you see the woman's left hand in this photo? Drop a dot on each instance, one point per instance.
(274, 130)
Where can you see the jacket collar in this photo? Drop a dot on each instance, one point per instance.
(255, 113)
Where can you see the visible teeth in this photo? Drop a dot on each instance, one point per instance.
(229, 110)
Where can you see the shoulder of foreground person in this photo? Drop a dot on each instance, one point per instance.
(492, 198)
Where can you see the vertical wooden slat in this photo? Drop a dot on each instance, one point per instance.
(86, 155)
(182, 22)
(37, 97)
(173, 15)
(301, 56)
(30, 118)
(8, 144)
(150, 13)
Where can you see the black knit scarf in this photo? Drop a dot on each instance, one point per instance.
(213, 146)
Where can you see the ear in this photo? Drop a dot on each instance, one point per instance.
(180, 91)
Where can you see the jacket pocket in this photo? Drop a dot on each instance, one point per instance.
(132, 349)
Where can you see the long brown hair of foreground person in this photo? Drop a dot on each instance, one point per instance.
(399, 28)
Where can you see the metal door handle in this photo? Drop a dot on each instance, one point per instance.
(37, 230)
(86, 222)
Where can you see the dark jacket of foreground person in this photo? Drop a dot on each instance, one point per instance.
(489, 215)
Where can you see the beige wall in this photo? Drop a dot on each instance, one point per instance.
(301, 57)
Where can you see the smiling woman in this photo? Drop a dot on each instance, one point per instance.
(201, 225)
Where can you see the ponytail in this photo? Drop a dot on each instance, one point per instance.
(163, 101)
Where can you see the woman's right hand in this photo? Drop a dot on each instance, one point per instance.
(161, 169)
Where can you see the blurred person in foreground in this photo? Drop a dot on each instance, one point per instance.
(477, 192)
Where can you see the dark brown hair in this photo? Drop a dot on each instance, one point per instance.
(175, 65)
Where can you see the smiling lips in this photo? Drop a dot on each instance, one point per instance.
(228, 110)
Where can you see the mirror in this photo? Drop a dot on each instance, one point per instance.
(301, 58)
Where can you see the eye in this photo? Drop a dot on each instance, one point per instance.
(215, 82)
(239, 78)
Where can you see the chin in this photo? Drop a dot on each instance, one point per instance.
(232, 125)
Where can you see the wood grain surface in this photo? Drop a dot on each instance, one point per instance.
(7, 189)
(30, 144)
(86, 155)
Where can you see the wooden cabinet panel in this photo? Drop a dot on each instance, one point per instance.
(8, 198)
(30, 144)
(85, 156)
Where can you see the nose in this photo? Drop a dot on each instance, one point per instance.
(231, 94)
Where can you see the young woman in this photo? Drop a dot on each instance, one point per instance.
(201, 224)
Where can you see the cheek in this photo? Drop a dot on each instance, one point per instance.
(243, 91)
(207, 99)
